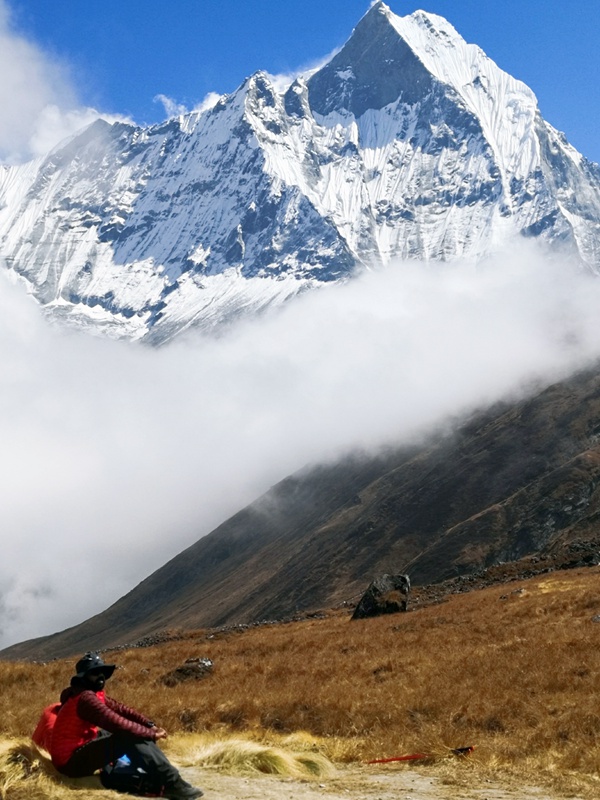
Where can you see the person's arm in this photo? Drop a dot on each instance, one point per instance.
(92, 709)
(128, 713)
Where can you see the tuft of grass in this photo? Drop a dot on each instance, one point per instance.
(26, 774)
(242, 756)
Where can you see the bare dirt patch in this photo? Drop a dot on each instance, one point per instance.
(358, 783)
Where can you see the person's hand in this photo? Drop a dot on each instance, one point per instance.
(160, 733)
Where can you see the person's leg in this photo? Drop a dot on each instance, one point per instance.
(107, 748)
(161, 772)
(148, 755)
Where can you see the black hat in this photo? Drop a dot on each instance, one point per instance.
(91, 662)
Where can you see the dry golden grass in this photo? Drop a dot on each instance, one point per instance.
(26, 774)
(513, 670)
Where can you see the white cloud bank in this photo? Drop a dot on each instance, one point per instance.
(115, 457)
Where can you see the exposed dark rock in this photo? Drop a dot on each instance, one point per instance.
(374, 68)
(387, 594)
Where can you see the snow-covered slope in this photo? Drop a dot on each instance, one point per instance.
(409, 142)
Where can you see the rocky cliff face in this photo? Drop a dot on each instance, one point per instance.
(409, 143)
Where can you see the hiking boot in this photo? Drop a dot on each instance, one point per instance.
(183, 791)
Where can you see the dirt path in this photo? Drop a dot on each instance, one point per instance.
(352, 783)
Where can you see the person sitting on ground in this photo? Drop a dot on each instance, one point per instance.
(93, 731)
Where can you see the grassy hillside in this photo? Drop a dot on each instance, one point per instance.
(512, 669)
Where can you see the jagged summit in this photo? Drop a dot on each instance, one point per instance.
(374, 68)
(409, 59)
(408, 143)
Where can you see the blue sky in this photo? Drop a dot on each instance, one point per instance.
(123, 54)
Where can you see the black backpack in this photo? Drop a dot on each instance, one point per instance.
(126, 776)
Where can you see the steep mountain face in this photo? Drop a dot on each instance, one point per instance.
(520, 479)
(409, 143)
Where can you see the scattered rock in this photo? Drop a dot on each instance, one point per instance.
(575, 554)
(192, 669)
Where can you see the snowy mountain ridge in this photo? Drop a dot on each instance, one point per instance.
(408, 143)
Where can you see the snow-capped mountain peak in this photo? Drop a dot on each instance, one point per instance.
(408, 143)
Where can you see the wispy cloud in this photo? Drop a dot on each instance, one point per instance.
(211, 100)
(115, 457)
(37, 96)
(172, 107)
(283, 81)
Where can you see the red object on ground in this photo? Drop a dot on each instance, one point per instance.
(459, 751)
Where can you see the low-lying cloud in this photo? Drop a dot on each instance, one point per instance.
(115, 457)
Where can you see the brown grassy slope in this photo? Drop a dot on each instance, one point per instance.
(513, 670)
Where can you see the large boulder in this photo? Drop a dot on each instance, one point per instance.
(387, 594)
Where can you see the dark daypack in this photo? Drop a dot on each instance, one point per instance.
(126, 776)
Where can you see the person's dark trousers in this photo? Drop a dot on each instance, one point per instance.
(108, 747)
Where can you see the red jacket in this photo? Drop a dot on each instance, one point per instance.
(83, 712)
